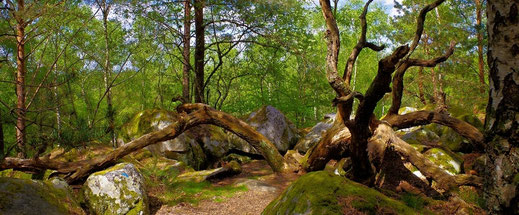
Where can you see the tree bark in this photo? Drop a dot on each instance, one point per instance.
(186, 67)
(2, 143)
(199, 50)
(20, 80)
(502, 115)
(481, 62)
(108, 74)
(191, 115)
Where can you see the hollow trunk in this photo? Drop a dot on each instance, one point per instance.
(502, 117)
(199, 50)
(186, 67)
(20, 81)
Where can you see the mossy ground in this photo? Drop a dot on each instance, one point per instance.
(163, 184)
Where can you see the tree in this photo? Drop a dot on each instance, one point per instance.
(199, 50)
(186, 67)
(370, 140)
(502, 122)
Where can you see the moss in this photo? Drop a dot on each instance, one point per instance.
(443, 160)
(60, 199)
(324, 193)
(516, 179)
(236, 157)
(418, 147)
(471, 195)
(15, 174)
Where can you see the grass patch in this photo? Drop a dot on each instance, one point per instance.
(164, 185)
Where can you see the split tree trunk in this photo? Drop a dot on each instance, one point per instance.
(199, 50)
(502, 116)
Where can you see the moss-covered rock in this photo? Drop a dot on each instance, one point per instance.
(455, 142)
(325, 193)
(117, 190)
(15, 174)
(275, 126)
(420, 136)
(197, 147)
(25, 196)
(315, 134)
(443, 160)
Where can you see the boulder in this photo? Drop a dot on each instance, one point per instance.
(455, 142)
(117, 190)
(444, 160)
(196, 147)
(420, 136)
(315, 134)
(323, 192)
(26, 196)
(275, 126)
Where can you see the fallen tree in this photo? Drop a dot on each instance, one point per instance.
(190, 115)
(368, 139)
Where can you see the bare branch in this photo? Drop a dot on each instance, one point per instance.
(361, 44)
(398, 78)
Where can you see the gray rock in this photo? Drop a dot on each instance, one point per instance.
(315, 134)
(256, 185)
(117, 190)
(275, 126)
(26, 196)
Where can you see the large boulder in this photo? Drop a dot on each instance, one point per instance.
(196, 147)
(455, 142)
(275, 126)
(117, 190)
(315, 134)
(26, 196)
(323, 192)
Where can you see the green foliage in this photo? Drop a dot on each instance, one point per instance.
(278, 61)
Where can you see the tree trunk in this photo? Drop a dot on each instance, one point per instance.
(481, 62)
(108, 75)
(502, 117)
(186, 67)
(199, 50)
(20, 81)
(421, 93)
(2, 143)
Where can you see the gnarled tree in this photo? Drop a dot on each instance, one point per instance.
(369, 141)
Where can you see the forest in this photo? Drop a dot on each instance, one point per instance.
(259, 107)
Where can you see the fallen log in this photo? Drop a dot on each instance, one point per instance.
(191, 115)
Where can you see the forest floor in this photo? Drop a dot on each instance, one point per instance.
(262, 184)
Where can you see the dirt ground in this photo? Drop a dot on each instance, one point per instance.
(249, 202)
